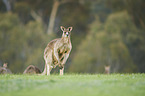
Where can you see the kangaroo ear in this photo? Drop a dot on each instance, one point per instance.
(69, 28)
(62, 28)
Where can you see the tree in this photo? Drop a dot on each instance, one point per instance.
(36, 41)
(21, 45)
(104, 45)
(56, 4)
(133, 7)
(11, 39)
(7, 4)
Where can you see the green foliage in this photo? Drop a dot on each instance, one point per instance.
(23, 11)
(21, 45)
(133, 7)
(36, 41)
(73, 85)
(105, 32)
(107, 46)
(11, 40)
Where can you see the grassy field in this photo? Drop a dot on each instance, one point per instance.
(73, 85)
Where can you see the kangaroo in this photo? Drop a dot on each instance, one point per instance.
(4, 69)
(57, 51)
(107, 69)
(31, 69)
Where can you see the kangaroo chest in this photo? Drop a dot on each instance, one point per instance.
(64, 48)
(61, 51)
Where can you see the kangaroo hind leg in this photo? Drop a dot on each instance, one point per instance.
(48, 66)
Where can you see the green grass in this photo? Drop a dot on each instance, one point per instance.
(73, 85)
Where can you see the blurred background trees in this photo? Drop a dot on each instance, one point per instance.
(105, 32)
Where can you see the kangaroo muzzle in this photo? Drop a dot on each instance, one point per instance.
(67, 34)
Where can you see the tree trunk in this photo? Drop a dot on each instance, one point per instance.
(36, 16)
(53, 16)
(7, 4)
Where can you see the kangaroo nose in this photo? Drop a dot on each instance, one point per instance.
(67, 34)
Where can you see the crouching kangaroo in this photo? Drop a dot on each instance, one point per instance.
(4, 69)
(31, 69)
(57, 51)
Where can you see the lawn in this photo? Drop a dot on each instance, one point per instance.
(73, 85)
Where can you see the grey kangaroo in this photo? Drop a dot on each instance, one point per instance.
(57, 51)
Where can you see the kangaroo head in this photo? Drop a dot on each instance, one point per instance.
(107, 67)
(5, 65)
(66, 32)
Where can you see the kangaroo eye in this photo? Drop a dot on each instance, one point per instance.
(64, 32)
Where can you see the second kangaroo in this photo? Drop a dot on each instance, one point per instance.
(57, 51)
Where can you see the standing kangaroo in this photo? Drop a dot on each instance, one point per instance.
(57, 51)
(107, 69)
